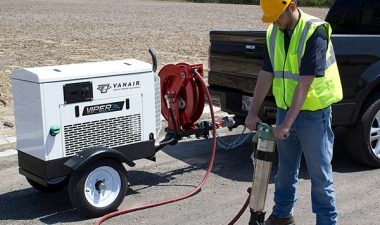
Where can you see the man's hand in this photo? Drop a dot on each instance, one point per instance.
(251, 121)
(281, 131)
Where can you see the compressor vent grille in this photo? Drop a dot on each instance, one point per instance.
(158, 103)
(112, 132)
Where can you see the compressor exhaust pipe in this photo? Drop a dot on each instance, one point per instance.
(154, 59)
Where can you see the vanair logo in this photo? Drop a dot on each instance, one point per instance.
(126, 85)
(103, 108)
(103, 88)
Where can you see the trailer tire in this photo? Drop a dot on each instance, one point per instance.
(363, 139)
(99, 188)
(54, 185)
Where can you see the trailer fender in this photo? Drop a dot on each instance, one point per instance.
(89, 155)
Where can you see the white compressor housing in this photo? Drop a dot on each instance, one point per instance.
(62, 111)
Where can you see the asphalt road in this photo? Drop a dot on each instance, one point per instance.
(178, 170)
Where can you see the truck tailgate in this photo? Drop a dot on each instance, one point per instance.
(235, 58)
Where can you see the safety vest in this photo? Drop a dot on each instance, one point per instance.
(325, 90)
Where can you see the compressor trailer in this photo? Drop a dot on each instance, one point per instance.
(77, 124)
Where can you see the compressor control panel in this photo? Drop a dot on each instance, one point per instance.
(77, 92)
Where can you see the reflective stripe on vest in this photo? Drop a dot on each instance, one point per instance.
(295, 76)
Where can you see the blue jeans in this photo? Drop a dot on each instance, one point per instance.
(312, 136)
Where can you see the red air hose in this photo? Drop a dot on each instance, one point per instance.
(198, 188)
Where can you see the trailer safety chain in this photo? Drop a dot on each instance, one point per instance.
(234, 144)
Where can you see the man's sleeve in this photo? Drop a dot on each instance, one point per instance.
(313, 61)
(267, 65)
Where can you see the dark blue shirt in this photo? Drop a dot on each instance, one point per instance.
(314, 59)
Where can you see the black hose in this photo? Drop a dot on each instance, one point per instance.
(173, 120)
(174, 139)
(236, 218)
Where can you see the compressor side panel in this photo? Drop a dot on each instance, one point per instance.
(29, 115)
(149, 110)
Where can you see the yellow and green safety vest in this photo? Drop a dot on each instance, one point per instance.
(325, 90)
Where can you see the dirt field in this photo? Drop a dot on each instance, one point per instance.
(50, 32)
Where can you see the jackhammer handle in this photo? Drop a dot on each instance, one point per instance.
(263, 126)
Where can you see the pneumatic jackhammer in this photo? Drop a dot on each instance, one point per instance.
(263, 158)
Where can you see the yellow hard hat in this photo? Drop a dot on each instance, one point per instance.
(272, 9)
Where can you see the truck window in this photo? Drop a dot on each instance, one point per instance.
(370, 17)
(344, 16)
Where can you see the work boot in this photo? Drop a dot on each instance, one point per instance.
(275, 220)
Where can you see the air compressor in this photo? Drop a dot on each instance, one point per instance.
(77, 124)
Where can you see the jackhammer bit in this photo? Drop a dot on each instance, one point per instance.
(263, 159)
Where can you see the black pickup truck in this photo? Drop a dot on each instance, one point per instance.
(235, 59)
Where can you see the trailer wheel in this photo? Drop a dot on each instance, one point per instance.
(364, 138)
(99, 188)
(55, 184)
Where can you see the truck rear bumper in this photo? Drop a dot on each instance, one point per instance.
(230, 101)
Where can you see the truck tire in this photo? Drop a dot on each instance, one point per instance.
(55, 184)
(99, 188)
(364, 137)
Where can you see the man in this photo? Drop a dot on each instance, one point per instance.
(299, 63)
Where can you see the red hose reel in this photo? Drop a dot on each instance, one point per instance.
(182, 93)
